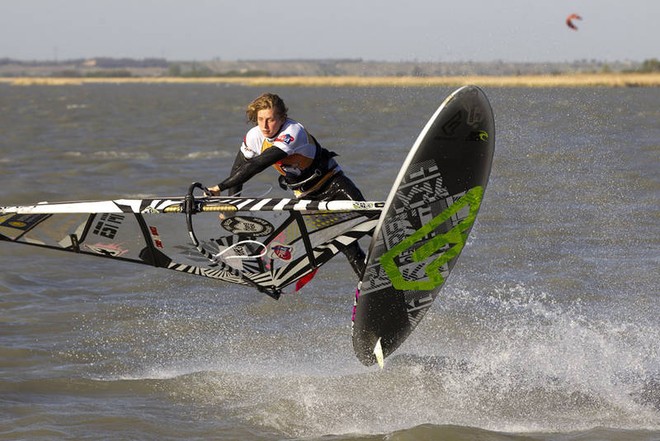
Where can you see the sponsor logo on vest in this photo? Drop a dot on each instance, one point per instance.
(286, 139)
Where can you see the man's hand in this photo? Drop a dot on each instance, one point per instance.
(213, 191)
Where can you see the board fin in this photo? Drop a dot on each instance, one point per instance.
(378, 352)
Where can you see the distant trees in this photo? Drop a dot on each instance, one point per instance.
(73, 73)
(197, 71)
(648, 66)
(116, 63)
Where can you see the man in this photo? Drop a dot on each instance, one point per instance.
(304, 166)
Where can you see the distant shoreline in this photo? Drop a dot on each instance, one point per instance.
(562, 80)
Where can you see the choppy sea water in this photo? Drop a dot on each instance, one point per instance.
(547, 329)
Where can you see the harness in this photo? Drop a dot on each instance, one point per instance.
(319, 171)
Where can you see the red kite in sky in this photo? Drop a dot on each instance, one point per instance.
(569, 21)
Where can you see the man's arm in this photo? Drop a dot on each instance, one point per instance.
(244, 169)
(238, 161)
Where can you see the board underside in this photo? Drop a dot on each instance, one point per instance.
(425, 223)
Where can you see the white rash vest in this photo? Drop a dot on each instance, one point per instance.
(292, 138)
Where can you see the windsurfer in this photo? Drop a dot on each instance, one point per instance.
(305, 167)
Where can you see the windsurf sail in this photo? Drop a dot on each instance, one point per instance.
(264, 243)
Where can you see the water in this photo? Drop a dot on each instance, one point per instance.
(547, 330)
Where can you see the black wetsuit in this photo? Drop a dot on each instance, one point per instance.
(334, 186)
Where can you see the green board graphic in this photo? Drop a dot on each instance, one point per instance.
(455, 238)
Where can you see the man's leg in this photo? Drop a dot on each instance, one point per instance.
(341, 187)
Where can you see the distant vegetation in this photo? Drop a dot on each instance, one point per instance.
(203, 71)
(648, 66)
(160, 67)
(116, 73)
(102, 63)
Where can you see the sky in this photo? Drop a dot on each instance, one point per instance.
(373, 30)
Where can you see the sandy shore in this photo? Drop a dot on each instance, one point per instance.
(576, 80)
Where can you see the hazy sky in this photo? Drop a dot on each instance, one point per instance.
(388, 30)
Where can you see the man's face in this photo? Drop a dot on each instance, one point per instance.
(269, 122)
